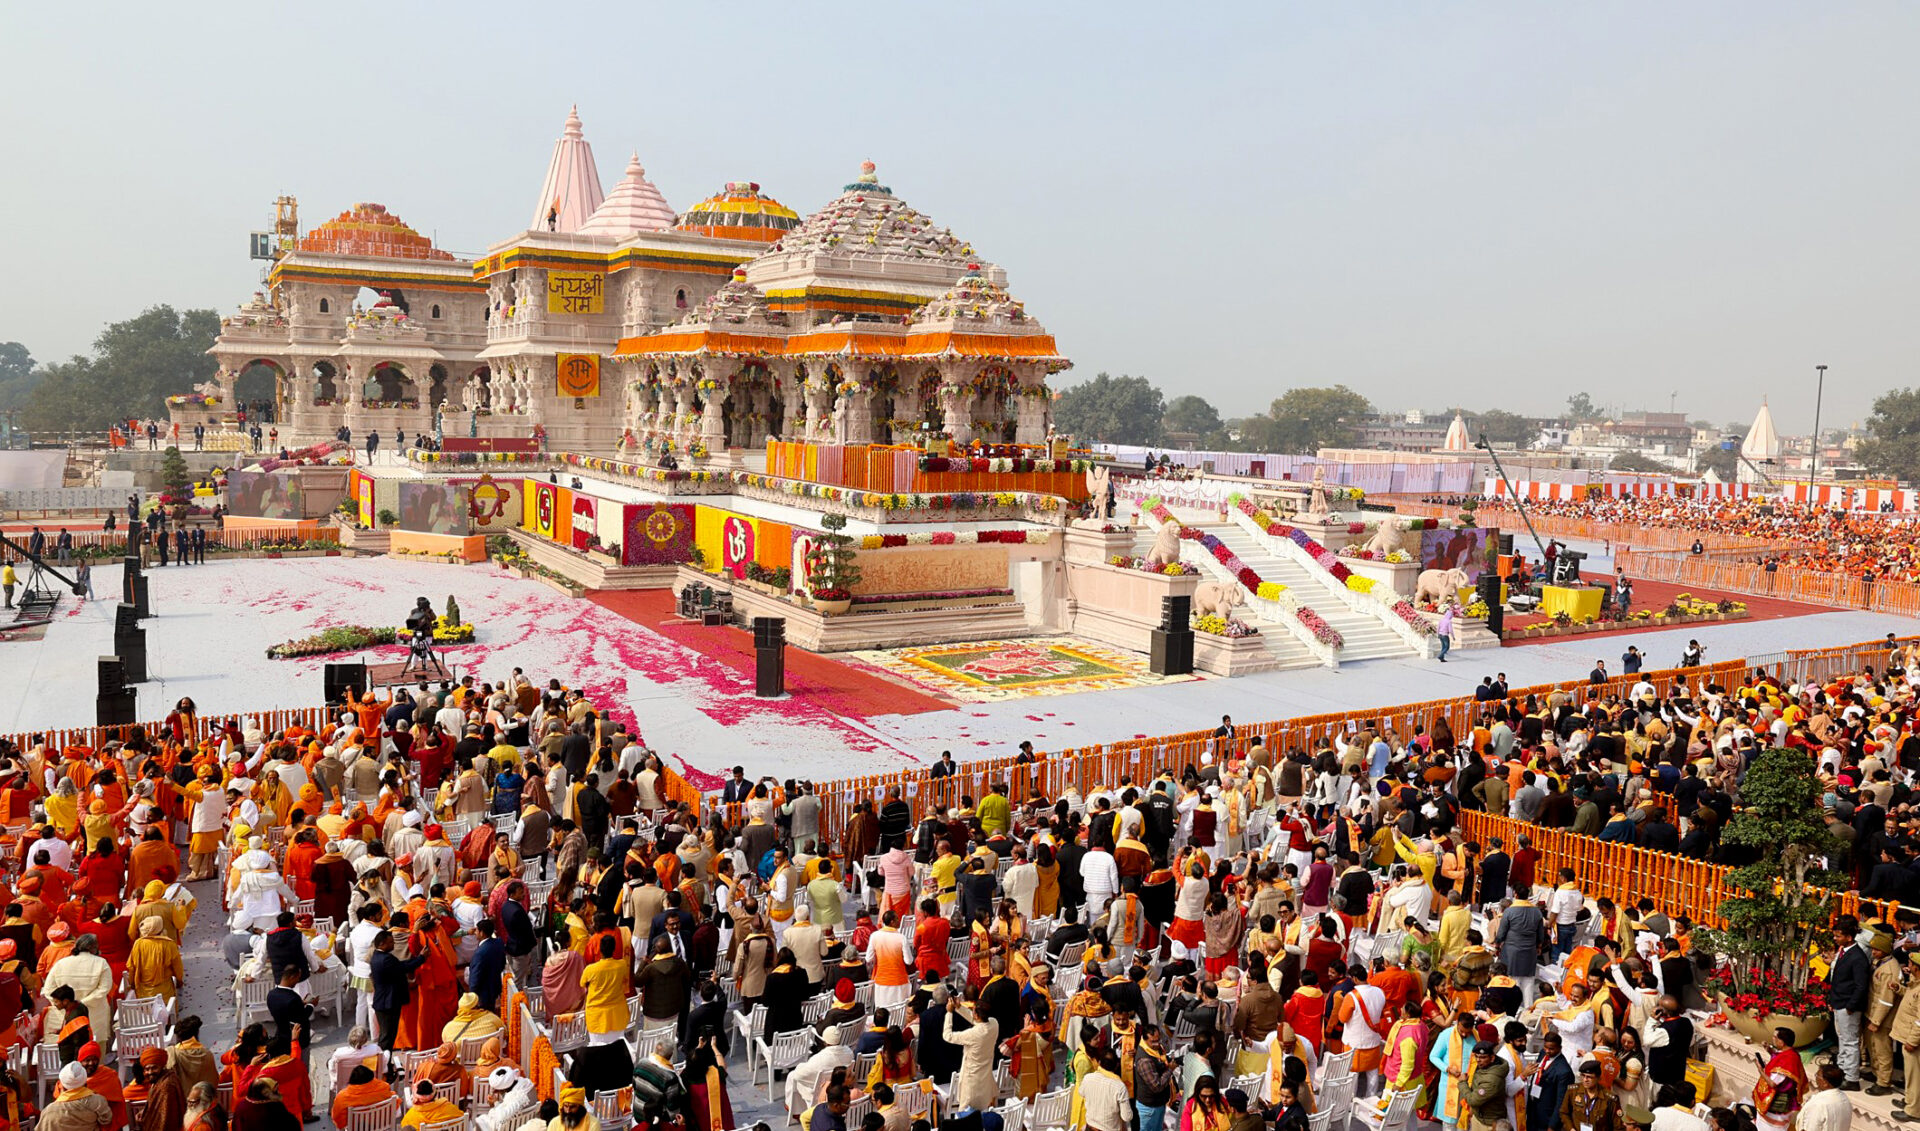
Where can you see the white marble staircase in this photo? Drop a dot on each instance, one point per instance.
(1364, 637)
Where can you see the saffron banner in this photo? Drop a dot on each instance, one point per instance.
(657, 534)
(579, 374)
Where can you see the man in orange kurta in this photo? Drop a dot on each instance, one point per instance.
(435, 984)
(301, 856)
(152, 859)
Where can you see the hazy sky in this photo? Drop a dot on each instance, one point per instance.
(1488, 204)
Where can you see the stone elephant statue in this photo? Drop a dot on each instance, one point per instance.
(1438, 585)
(1166, 546)
(1215, 599)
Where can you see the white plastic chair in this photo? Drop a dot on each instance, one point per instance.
(1013, 1114)
(748, 1025)
(814, 1008)
(614, 1109)
(919, 1099)
(383, 1116)
(1337, 1096)
(1335, 1067)
(569, 1032)
(782, 1053)
(1393, 1117)
(131, 1041)
(251, 999)
(330, 989)
(1318, 1121)
(1049, 1109)
(458, 1124)
(647, 1041)
(858, 1109)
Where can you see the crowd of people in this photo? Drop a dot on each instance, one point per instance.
(1876, 546)
(1228, 945)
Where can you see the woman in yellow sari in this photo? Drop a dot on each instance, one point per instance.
(1046, 891)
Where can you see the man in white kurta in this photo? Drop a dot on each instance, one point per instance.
(91, 980)
(973, 1085)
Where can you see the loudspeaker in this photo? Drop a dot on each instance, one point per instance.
(137, 597)
(130, 642)
(1488, 588)
(343, 678)
(112, 674)
(115, 710)
(129, 573)
(1506, 543)
(1172, 652)
(1176, 613)
(1496, 618)
(769, 657)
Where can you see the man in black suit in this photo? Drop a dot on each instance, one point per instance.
(290, 1012)
(976, 889)
(896, 819)
(1070, 931)
(1848, 991)
(737, 788)
(1494, 868)
(709, 1018)
(392, 987)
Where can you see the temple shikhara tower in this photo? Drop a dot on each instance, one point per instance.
(614, 324)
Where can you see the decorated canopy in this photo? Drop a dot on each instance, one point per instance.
(369, 229)
(740, 212)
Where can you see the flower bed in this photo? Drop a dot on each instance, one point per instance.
(446, 632)
(1171, 569)
(1767, 991)
(956, 538)
(1221, 626)
(947, 595)
(418, 456)
(340, 638)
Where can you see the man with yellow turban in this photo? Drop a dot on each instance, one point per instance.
(574, 1114)
(154, 904)
(471, 1022)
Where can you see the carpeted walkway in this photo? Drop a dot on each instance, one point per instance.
(821, 680)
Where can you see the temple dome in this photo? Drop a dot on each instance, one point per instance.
(737, 302)
(635, 205)
(975, 298)
(867, 219)
(739, 212)
(369, 229)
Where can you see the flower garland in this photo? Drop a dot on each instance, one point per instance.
(963, 463)
(956, 538)
(417, 456)
(1221, 626)
(1310, 620)
(1363, 585)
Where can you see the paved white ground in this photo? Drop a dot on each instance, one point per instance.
(215, 622)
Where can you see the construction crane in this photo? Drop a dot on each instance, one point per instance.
(38, 599)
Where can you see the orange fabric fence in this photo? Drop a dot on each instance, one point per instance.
(1626, 873)
(1587, 530)
(1788, 584)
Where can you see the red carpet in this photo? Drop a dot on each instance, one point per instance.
(838, 687)
(1657, 595)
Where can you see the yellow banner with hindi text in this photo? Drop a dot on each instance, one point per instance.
(576, 292)
(579, 374)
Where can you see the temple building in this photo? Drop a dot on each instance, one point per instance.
(614, 324)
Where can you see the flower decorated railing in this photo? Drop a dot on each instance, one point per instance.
(1020, 537)
(1270, 598)
(1356, 591)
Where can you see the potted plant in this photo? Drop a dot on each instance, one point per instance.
(831, 573)
(388, 518)
(1785, 905)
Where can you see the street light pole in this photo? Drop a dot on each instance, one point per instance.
(1813, 467)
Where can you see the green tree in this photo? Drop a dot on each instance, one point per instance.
(1782, 828)
(137, 365)
(1194, 414)
(1580, 407)
(1502, 427)
(1634, 461)
(1304, 420)
(1112, 410)
(174, 474)
(17, 375)
(1892, 446)
(1723, 462)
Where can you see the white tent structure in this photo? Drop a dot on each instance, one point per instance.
(1761, 448)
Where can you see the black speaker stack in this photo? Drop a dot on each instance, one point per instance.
(770, 657)
(133, 584)
(1172, 651)
(1489, 585)
(130, 643)
(114, 706)
(343, 679)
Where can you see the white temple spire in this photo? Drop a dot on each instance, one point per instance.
(1762, 444)
(572, 188)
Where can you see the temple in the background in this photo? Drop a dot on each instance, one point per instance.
(614, 323)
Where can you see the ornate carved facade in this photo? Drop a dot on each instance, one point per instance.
(864, 322)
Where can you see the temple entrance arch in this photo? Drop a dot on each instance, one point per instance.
(389, 385)
(933, 415)
(259, 389)
(884, 380)
(436, 385)
(993, 392)
(326, 385)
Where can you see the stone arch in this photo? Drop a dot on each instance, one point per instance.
(884, 380)
(436, 383)
(325, 307)
(933, 414)
(994, 388)
(258, 388)
(326, 382)
(389, 381)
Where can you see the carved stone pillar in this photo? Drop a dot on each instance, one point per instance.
(859, 429)
(539, 375)
(1033, 409)
(957, 403)
(684, 419)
